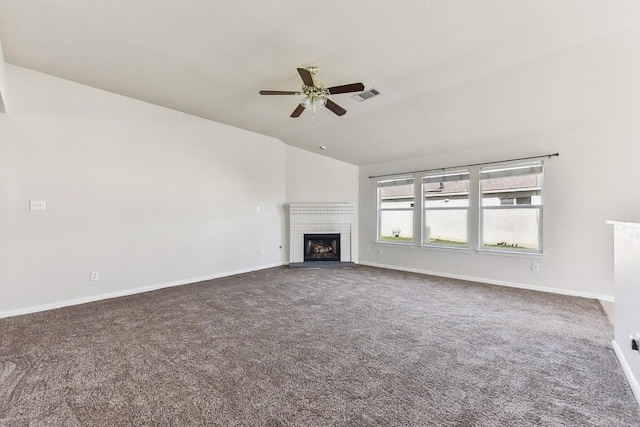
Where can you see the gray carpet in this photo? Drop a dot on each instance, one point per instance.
(298, 347)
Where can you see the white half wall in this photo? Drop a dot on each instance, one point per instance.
(627, 315)
(144, 195)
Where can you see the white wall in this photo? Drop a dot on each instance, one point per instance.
(144, 195)
(594, 178)
(627, 315)
(2, 80)
(313, 178)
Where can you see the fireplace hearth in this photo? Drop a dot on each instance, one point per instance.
(322, 247)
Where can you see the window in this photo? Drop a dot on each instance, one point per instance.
(395, 210)
(446, 204)
(511, 208)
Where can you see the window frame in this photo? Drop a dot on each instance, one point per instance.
(406, 179)
(423, 208)
(482, 209)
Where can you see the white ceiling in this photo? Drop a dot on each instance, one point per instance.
(453, 74)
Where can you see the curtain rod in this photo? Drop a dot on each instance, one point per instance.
(466, 166)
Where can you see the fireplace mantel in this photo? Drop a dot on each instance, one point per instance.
(317, 218)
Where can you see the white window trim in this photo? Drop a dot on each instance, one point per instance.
(466, 249)
(475, 213)
(379, 211)
(423, 209)
(481, 209)
(506, 252)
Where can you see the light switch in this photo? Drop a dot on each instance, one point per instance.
(257, 208)
(37, 205)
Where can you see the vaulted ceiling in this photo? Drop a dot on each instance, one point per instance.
(453, 74)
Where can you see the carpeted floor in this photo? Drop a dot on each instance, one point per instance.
(297, 347)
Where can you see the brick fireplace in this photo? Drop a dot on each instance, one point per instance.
(320, 219)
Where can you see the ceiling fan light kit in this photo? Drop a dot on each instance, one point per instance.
(311, 100)
(316, 93)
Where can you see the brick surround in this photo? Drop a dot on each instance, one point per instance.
(320, 218)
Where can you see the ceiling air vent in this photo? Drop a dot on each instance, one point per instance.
(366, 94)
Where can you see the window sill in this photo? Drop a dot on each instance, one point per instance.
(407, 244)
(447, 248)
(511, 253)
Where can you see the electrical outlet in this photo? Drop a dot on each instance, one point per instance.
(535, 266)
(94, 275)
(379, 251)
(367, 247)
(37, 205)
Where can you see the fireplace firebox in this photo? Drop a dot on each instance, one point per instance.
(322, 247)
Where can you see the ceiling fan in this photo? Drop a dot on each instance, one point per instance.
(316, 95)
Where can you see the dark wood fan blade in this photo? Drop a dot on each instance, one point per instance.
(335, 108)
(306, 76)
(279, 92)
(353, 87)
(296, 113)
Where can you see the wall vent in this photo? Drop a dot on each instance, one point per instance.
(366, 94)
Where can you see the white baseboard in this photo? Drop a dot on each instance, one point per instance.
(633, 382)
(92, 298)
(608, 298)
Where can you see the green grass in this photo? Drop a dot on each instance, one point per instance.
(396, 239)
(447, 242)
(454, 243)
(511, 248)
